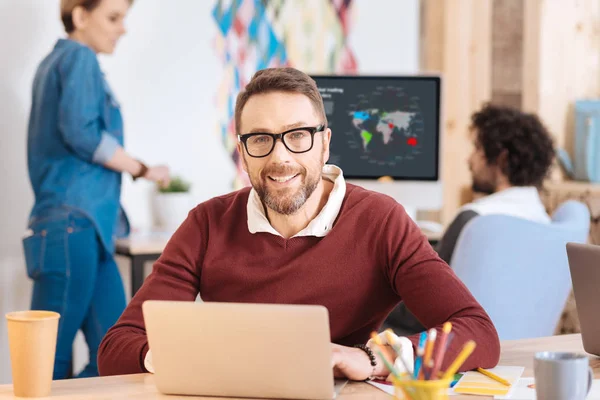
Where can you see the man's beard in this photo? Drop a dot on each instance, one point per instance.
(281, 201)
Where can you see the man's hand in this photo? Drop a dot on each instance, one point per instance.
(351, 363)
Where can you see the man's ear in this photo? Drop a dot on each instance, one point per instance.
(502, 162)
(240, 149)
(326, 142)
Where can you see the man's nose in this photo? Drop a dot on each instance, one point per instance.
(280, 153)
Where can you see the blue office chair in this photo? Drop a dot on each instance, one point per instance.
(518, 269)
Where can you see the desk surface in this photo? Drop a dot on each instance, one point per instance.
(517, 352)
(143, 243)
(155, 242)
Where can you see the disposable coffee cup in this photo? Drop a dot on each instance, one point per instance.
(32, 344)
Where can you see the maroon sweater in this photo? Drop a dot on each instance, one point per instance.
(373, 257)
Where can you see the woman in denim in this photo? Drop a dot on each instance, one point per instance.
(75, 160)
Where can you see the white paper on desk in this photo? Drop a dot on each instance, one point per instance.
(389, 389)
(522, 392)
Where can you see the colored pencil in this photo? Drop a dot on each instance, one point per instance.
(388, 365)
(460, 359)
(440, 350)
(420, 352)
(391, 338)
(428, 351)
(493, 376)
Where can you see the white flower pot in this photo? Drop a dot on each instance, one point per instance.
(171, 209)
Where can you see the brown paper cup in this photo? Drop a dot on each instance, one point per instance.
(32, 344)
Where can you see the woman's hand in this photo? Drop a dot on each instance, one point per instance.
(123, 162)
(159, 174)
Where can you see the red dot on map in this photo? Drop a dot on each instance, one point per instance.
(412, 141)
(391, 125)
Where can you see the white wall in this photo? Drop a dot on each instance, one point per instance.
(385, 36)
(164, 73)
(27, 33)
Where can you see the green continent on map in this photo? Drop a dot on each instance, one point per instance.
(367, 136)
(383, 122)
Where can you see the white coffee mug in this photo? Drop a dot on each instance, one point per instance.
(560, 376)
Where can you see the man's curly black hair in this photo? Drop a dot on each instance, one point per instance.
(529, 146)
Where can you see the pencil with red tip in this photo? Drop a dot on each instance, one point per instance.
(440, 350)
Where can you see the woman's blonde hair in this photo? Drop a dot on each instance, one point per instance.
(67, 7)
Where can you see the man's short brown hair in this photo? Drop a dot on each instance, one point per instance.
(67, 7)
(289, 80)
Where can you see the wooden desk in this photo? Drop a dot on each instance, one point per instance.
(146, 247)
(517, 353)
(140, 249)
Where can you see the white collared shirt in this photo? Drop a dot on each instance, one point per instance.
(320, 225)
(517, 201)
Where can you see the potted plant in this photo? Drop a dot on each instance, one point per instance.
(172, 203)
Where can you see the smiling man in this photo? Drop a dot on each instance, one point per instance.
(301, 235)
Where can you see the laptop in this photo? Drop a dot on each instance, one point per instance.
(241, 350)
(584, 262)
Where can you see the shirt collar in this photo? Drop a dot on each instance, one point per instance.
(514, 194)
(519, 201)
(320, 225)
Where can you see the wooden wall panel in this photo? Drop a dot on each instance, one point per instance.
(458, 44)
(432, 36)
(507, 52)
(561, 61)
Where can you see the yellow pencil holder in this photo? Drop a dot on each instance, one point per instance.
(409, 389)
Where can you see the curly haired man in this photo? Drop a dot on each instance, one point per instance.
(512, 156)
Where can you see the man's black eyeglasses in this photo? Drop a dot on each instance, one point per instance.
(297, 140)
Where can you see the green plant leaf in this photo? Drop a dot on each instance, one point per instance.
(177, 185)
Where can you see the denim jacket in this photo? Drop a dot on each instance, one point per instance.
(75, 126)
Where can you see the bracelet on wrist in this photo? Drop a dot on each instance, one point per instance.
(142, 171)
(371, 355)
